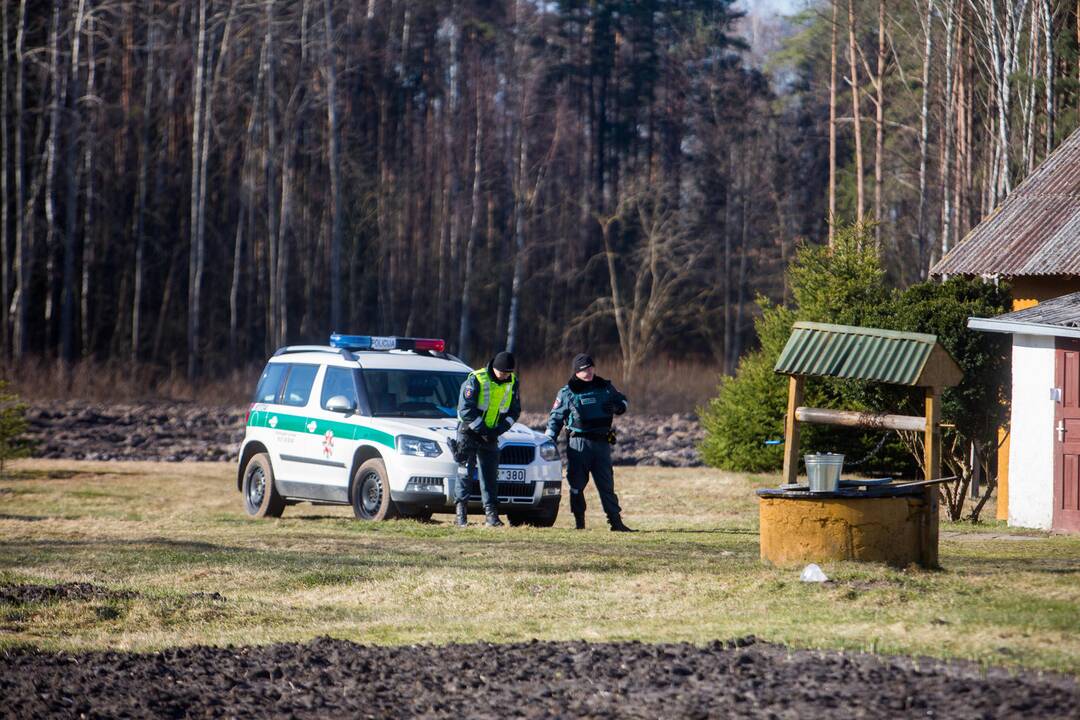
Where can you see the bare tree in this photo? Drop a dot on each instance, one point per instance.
(855, 113)
(924, 140)
(832, 125)
(658, 268)
(21, 300)
(335, 169)
(5, 212)
(470, 239)
(195, 255)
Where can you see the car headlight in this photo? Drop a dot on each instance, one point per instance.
(549, 452)
(409, 445)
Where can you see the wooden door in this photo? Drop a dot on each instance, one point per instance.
(1067, 437)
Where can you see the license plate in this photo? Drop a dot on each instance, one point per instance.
(508, 475)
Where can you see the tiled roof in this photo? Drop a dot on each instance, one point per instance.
(1035, 231)
(1062, 311)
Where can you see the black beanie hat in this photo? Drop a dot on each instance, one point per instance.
(503, 362)
(581, 361)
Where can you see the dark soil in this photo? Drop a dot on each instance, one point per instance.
(19, 594)
(181, 431)
(334, 678)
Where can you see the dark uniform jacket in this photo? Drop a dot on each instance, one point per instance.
(470, 415)
(586, 408)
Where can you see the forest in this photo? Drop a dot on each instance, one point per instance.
(193, 184)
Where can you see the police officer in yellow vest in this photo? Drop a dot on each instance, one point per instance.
(488, 406)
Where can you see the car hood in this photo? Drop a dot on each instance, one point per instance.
(444, 429)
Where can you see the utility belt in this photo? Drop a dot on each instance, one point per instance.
(607, 436)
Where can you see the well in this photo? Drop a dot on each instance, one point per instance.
(896, 526)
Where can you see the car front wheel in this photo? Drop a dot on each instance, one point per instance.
(261, 498)
(370, 492)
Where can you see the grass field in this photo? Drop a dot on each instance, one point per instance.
(174, 534)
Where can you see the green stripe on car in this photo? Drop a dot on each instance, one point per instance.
(300, 423)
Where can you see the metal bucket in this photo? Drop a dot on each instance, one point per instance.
(823, 471)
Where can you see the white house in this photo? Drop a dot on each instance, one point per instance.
(1044, 447)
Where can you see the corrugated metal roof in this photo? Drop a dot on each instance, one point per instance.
(1063, 311)
(1035, 231)
(855, 353)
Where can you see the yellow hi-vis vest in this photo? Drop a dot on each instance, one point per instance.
(494, 397)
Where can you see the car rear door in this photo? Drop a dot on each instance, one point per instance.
(288, 420)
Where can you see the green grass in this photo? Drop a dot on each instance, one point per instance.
(174, 533)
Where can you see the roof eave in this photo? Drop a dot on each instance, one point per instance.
(1012, 327)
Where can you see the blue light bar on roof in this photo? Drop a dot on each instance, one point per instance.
(379, 342)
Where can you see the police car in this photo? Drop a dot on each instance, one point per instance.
(366, 422)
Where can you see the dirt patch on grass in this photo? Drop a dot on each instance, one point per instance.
(11, 594)
(183, 431)
(540, 679)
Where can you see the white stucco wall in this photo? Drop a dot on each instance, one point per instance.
(1031, 445)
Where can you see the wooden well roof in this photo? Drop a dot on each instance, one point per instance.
(870, 354)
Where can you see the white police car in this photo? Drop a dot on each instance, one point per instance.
(366, 422)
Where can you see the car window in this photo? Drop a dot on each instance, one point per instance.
(338, 381)
(298, 385)
(270, 383)
(413, 393)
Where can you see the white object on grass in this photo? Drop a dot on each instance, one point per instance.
(812, 573)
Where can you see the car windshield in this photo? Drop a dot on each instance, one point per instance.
(413, 393)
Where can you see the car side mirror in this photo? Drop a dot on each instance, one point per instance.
(340, 404)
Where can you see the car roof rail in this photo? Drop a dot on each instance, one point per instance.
(441, 355)
(289, 349)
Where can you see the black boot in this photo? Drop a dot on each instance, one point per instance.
(579, 521)
(492, 518)
(462, 514)
(617, 524)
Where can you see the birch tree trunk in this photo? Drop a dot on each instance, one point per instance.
(141, 192)
(89, 193)
(58, 86)
(20, 299)
(1048, 40)
(879, 125)
(470, 241)
(71, 176)
(195, 248)
(1027, 109)
(335, 171)
(832, 127)
(5, 210)
(520, 171)
(952, 110)
(924, 139)
(860, 202)
(273, 328)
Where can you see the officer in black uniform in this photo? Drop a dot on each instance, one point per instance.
(586, 405)
(489, 404)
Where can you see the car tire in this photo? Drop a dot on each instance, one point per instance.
(261, 498)
(370, 492)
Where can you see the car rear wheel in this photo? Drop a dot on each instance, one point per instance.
(261, 498)
(370, 492)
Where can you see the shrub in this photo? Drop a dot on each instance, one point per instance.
(843, 285)
(12, 426)
(978, 406)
